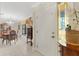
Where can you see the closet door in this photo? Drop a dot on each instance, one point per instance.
(47, 29)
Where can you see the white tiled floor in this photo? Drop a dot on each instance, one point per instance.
(18, 49)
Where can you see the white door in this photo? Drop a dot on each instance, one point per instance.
(46, 36)
(35, 27)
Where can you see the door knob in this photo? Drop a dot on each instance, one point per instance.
(53, 33)
(53, 36)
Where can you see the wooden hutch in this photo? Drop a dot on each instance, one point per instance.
(72, 44)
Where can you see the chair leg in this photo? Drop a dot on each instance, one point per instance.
(27, 40)
(15, 41)
(2, 41)
(10, 42)
(31, 43)
(6, 42)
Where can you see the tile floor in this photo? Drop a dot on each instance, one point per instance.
(18, 49)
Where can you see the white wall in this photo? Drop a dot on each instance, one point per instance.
(74, 25)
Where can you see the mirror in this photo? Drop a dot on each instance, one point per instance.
(62, 23)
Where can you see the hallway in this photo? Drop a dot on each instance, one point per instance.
(18, 49)
(27, 18)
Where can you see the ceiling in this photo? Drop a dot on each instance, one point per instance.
(16, 10)
(19, 10)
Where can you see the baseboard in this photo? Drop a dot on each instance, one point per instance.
(37, 50)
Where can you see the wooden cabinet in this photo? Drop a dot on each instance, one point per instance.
(30, 33)
(72, 36)
(69, 50)
(72, 48)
